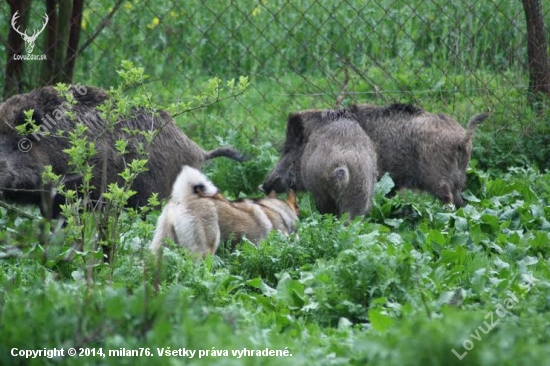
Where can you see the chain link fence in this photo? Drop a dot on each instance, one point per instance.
(457, 57)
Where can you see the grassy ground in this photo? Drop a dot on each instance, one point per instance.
(405, 286)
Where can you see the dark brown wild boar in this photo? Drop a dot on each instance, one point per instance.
(328, 154)
(419, 149)
(20, 172)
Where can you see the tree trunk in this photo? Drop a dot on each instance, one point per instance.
(63, 30)
(74, 37)
(537, 49)
(46, 77)
(14, 68)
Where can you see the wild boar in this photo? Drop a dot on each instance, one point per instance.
(420, 150)
(328, 154)
(23, 158)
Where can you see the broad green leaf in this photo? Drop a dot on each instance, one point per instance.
(379, 319)
(469, 196)
(500, 264)
(290, 292)
(528, 261)
(384, 186)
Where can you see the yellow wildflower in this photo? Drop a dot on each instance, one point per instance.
(154, 23)
(257, 10)
(85, 17)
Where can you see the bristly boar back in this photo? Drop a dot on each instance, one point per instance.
(419, 149)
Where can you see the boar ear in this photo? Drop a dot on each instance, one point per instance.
(37, 117)
(272, 194)
(295, 129)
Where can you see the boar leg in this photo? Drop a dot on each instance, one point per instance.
(354, 206)
(324, 204)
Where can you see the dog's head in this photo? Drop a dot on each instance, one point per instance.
(191, 182)
(286, 209)
(291, 200)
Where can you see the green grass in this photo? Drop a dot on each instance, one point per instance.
(403, 286)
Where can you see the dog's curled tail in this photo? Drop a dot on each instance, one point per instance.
(228, 152)
(190, 182)
(341, 176)
(473, 124)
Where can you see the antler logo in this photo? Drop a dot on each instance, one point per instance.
(29, 40)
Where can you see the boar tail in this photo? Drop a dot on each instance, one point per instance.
(473, 123)
(228, 152)
(341, 176)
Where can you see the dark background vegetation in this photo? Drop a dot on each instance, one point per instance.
(459, 57)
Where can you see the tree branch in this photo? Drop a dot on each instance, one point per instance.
(100, 27)
(18, 211)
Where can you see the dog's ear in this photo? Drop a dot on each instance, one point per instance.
(292, 200)
(295, 129)
(219, 196)
(272, 194)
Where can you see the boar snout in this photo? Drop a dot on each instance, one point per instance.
(457, 199)
(275, 184)
(279, 183)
